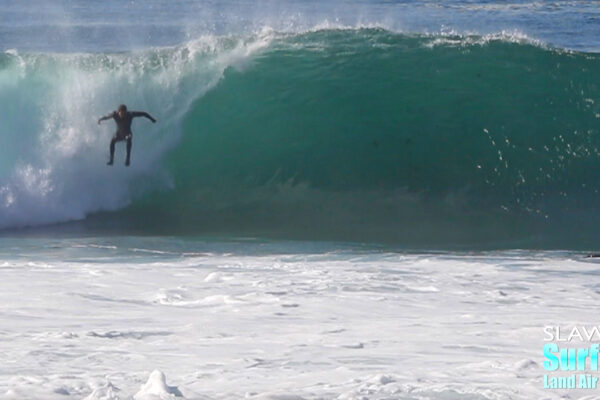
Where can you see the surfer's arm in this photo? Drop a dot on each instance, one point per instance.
(143, 114)
(109, 116)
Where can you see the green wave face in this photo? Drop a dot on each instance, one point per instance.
(372, 135)
(339, 134)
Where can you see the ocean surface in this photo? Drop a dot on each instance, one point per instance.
(339, 200)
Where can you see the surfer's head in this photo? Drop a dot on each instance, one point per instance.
(122, 110)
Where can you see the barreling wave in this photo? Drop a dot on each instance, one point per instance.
(359, 134)
(51, 169)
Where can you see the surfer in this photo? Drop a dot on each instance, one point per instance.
(123, 119)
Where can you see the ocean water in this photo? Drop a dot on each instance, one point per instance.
(340, 200)
(455, 124)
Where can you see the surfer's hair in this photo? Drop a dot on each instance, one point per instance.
(122, 107)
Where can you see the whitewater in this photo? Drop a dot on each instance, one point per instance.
(342, 200)
(159, 318)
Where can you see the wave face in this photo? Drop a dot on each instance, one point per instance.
(357, 134)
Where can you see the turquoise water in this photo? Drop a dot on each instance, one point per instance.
(475, 124)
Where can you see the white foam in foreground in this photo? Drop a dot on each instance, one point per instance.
(97, 319)
(157, 389)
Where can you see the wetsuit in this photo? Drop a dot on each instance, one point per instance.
(124, 130)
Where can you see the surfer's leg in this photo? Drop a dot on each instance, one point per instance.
(128, 150)
(112, 150)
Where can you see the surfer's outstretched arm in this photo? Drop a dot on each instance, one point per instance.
(109, 116)
(143, 114)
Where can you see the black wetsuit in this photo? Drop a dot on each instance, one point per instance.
(124, 130)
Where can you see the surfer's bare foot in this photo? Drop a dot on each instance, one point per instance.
(109, 163)
(127, 163)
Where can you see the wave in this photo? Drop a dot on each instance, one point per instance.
(52, 149)
(359, 134)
